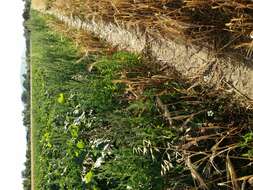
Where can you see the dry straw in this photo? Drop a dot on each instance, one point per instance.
(220, 24)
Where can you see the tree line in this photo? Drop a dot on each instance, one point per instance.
(26, 173)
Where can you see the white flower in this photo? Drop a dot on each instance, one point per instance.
(76, 111)
(210, 113)
(98, 162)
(129, 187)
(84, 169)
(90, 112)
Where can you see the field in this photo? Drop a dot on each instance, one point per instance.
(108, 119)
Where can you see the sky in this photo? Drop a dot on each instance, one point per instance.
(12, 132)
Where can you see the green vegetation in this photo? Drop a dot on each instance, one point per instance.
(118, 121)
(70, 105)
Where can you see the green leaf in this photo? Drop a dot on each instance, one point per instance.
(76, 153)
(95, 188)
(80, 144)
(61, 98)
(49, 145)
(74, 133)
(88, 177)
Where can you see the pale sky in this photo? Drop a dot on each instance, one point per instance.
(12, 133)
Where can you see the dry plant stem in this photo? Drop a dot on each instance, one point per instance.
(197, 64)
(195, 174)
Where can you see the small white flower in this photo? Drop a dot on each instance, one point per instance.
(98, 162)
(129, 187)
(76, 112)
(90, 112)
(84, 169)
(210, 113)
(77, 122)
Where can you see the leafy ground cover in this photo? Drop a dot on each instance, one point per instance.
(115, 120)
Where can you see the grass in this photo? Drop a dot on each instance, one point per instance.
(35, 167)
(62, 93)
(42, 107)
(115, 120)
